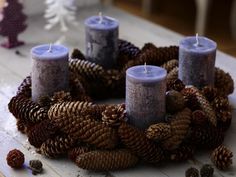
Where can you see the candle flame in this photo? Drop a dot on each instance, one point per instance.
(145, 68)
(100, 16)
(50, 48)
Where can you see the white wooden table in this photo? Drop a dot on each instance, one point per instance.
(13, 68)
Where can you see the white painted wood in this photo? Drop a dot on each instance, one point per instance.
(14, 68)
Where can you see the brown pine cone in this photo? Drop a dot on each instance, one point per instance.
(192, 172)
(113, 115)
(38, 134)
(94, 111)
(158, 132)
(57, 146)
(172, 76)
(182, 153)
(209, 92)
(171, 64)
(220, 103)
(61, 96)
(45, 102)
(222, 157)
(148, 46)
(174, 101)
(25, 109)
(207, 171)
(179, 128)
(191, 99)
(106, 160)
(199, 118)
(25, 87)
(223, 82)
(88, 130)
(36, 166)
(136, 141)
(175, 84)
(21, 126)
(15, 158)
(67, 108)
(77, 54)
(75, 152)
(206, 136)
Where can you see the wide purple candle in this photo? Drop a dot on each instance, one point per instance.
(145, 95)
(197, 61)
(102, 40)
(49, 70)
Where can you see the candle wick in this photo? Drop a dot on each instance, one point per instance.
(197, 40)
(100, 17)
(50, 48)
(145, 68)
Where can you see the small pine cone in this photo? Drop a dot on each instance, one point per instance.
(169, 65)
(175, 84)
(36, 166)
(77, 54)
(182, 153)
(67, 108)
(222, 157)
(223, 82)
(114, 115)
(88, 130)
(172, 76)
(61, 96)
(136, 141)
(224, 118)
(106, 160)
(57, 146)
(174, 101)
(191, 99)
(209, 92)
(38, 134)
(45, 101)
(148, 46)
(86, 69)
(206, 136)
(25, 87)
(158, 132)
(25, 109)
(15, 158)
(179, 128)
(21, 126)
(207, 171)
(94, 111)
(192, 172)
(199, 118)
(75, 152)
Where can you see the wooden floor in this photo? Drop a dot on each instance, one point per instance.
(13, 68)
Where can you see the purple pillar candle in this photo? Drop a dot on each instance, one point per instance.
(49, 70)
(145, 95)
(102, 40)
(197, 61)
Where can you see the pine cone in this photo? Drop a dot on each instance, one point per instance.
(15, 158)
(114, 115)
(148, 46)
(223, 82)
(209, 92)
(41, 132)
(192, 172)
(75, 152)
(45, 102)
(206, 136)
(179, 128)
(94, 111)
(36, 166)
(222, 157)
(182, 153)
(106, 160)
(174, 101)
(88, 130)
(158, 131)
(220, 103)
(191, 99)
(175, 84)
(67, 108)
(25, 87)
(21, 126)
(77, 54)
(171, 78)
(136, 141)
(57, 146)
(199, 118)
(171, 64)
(207, 171)
(25, 109)
(61, 96)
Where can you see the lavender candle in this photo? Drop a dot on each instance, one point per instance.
(197, 61)
(102, 40)
(145, 95)
(49, 70)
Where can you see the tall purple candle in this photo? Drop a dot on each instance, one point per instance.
(145, 95)
(197, 61)
(102, 40)
(49, 70)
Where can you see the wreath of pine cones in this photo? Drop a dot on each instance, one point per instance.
(98, 137)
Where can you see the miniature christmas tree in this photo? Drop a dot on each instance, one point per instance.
(12, 22)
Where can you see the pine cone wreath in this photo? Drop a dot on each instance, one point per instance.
(209, 92)
(179, 127)
(106, 160)
(41, 132)
(158, 132)
(175, 84)
(25, 109)
(136, 141)
(199, 118)
(57, 146)
(15, 158)
(207, 171)
(192, 172)
(174, 101)
(223, 82)
(222, 157)
(77, 54)
(25, 87)
(113, 115)
(182, 153)
(169, 65)
(75, 152)
(36, 166)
